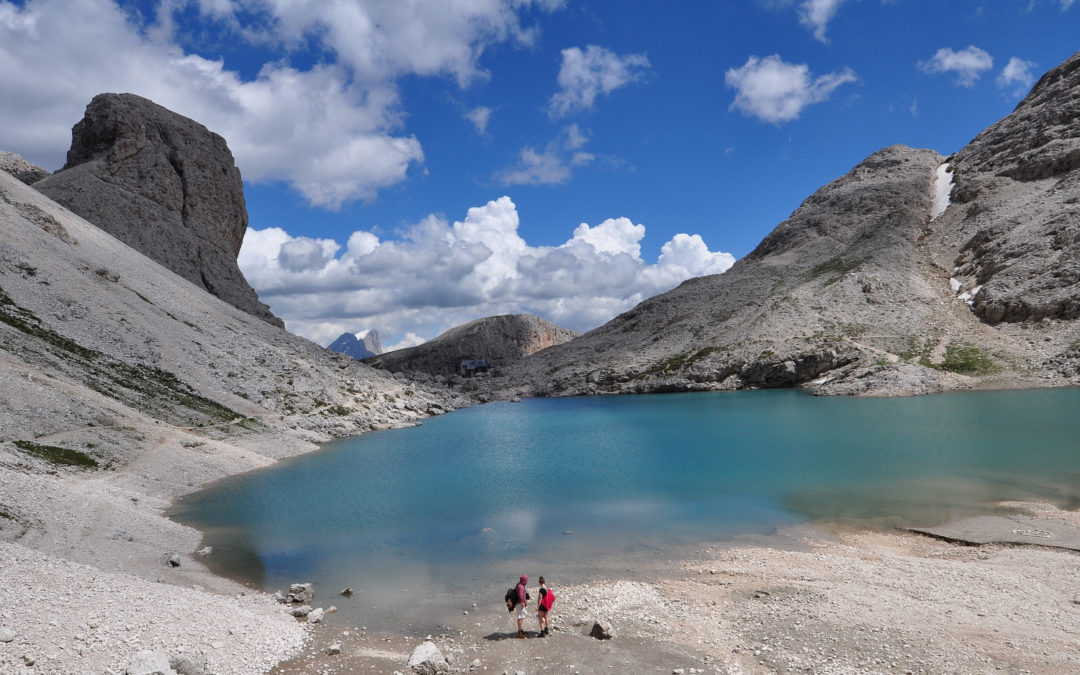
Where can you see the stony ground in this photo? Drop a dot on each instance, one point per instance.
(818, 601)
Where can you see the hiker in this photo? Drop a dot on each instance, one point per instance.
(522, 603)
(543, 606)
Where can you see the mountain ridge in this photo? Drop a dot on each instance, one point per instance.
(853, 293)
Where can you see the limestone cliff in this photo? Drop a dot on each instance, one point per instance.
(163, 184)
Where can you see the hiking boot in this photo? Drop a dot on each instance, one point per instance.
(521, 634)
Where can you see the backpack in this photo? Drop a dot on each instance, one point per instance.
(547, 600)
(511, 598)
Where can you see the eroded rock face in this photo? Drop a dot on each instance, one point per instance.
(1020, 180)
(163, 184)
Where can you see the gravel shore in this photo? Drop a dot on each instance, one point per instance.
(822, 599)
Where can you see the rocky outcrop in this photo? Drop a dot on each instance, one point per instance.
(870, 287)
(500, 340)
(1020, 182)
(163, 184)
(359, 345)
(20, 168)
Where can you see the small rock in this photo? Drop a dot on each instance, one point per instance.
(601, 630)
(205, 551)
(174, 560)
(331, 609)
(333, 649)
(316, 615)
(147, 663)
(28, 660)
(188, 664)
(426, 659)
(347, 592)
(6, 635)
(301, 594)
(301, 611)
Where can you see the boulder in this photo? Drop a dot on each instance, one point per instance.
(601, 630)
(301, 594)
(149, 663)
(164, 185)
(316, 615)
(301, 611)
(426, 659)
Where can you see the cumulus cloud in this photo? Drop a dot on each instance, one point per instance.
(777, 92)
(586, 74)
(816, 15)
(479, 117)
(1017, 76)
(968, 64)
(334, 130)
(441, 274)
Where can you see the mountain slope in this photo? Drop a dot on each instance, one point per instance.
(501, 340)
(856, 288)
(125, 385)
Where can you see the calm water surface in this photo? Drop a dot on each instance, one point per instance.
(424, 521)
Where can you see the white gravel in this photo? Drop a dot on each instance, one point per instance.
(72, 618)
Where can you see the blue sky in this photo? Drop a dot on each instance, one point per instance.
(413, 165)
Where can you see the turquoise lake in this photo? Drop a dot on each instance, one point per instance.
(422, 522)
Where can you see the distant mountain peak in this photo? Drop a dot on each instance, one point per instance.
(357, 345)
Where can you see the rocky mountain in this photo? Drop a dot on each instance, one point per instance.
(877, 283)
(124, 385)
(357, 345)
(28, 173)
(500, 340)
(163, 184)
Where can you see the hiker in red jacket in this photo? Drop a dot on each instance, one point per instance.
(523, 601)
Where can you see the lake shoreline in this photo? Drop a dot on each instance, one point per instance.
(253, 633)
(830, 597)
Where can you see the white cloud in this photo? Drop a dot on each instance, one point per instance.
(333, 131)
(442, 274)
(1017, 76)
(775, 91)
(479, 117)
(586, 74)
(968, 64)
(552, 165)
(816, 15)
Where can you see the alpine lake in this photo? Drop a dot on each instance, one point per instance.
(424, 521)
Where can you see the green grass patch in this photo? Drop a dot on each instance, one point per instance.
(145, 388)
(834, 269)
(58, 455)
(678, 362)
(966, 359)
